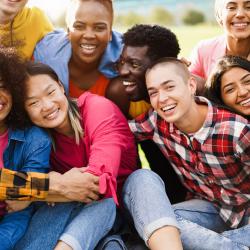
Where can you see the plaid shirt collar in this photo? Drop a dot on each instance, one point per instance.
(207, 127)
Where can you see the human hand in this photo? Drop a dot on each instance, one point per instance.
(14, 206)
(80, 186)
(185, 61)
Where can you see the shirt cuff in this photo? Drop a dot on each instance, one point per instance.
(107, 182)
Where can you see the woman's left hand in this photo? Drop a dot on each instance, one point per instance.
(14, 206)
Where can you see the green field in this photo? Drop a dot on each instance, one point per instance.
(188, 36)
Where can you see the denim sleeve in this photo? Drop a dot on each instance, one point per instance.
(37, 151)
(13, 227)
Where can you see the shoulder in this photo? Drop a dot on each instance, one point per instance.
(35, 134)
(91, 101)
(231, 123)
(211, 42)
(53, 43)
(111, 55)
(94, 107)
(33, 14)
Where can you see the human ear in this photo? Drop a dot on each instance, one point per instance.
(192, 85)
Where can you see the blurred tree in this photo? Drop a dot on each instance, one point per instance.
(161, 16)
(192, 17)
(129, 19)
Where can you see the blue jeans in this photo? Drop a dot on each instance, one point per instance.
(80, 226)
(198, 221)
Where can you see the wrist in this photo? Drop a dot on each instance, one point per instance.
(55, 184)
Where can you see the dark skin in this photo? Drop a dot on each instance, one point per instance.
(116, 93)
(89, 36)
(132, 67)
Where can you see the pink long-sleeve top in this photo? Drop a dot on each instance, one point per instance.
(107, 148)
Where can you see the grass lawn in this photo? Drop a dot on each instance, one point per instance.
(189, 36)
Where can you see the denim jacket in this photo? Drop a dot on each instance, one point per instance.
(27, 150)
(55, 50)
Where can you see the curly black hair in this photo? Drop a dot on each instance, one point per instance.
(161, 41)
(12, 76)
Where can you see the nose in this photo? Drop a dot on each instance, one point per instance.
(88, 33)
(162, 96)
(123, 69)
(242, 91)
(240, 12)
(47, 105)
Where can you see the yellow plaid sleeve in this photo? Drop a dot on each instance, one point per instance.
(23, 186)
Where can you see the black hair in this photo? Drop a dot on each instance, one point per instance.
(12, 75)
(161, 41)
(213, 84)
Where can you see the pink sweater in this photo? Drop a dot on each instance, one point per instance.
(107, 148)
(205, 55)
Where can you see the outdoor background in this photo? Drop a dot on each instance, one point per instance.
(191, 21)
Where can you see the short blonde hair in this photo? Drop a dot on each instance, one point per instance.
(218, 7)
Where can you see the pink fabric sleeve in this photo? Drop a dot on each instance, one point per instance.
(196, 59)
(109, 136)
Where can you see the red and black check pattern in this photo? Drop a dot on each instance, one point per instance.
(213, 163)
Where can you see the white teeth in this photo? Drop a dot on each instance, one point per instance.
(240, 24)
(243, 103)
(169, 107)
(88, 46)
(52, 115)
(126, 83)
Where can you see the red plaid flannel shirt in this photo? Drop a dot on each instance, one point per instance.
(213, 163)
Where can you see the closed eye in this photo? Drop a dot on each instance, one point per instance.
(152, 94)
(33, 103)
(228, 90)
(52, 92)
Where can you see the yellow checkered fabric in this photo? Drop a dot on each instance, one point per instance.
(23, 186)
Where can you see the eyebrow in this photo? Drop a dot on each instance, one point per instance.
(246, 75)
(161, 84)
(241, 79)
(245, 2)
(45, 90)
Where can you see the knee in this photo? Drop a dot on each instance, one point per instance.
(109, 206)
(141, 179)
(142, 182)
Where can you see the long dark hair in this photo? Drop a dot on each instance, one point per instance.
(213, 84)
(12, 75)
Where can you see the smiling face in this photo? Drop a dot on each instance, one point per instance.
(171, 92)
(235, 18)
(11, 7)
(5, 106)
(90, 31)
(132, 67)
(235, 90)
(46, 104)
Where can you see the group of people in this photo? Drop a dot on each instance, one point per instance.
(73, 106)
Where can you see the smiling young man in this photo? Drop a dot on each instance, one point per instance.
(209, 149)
(144, 44)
